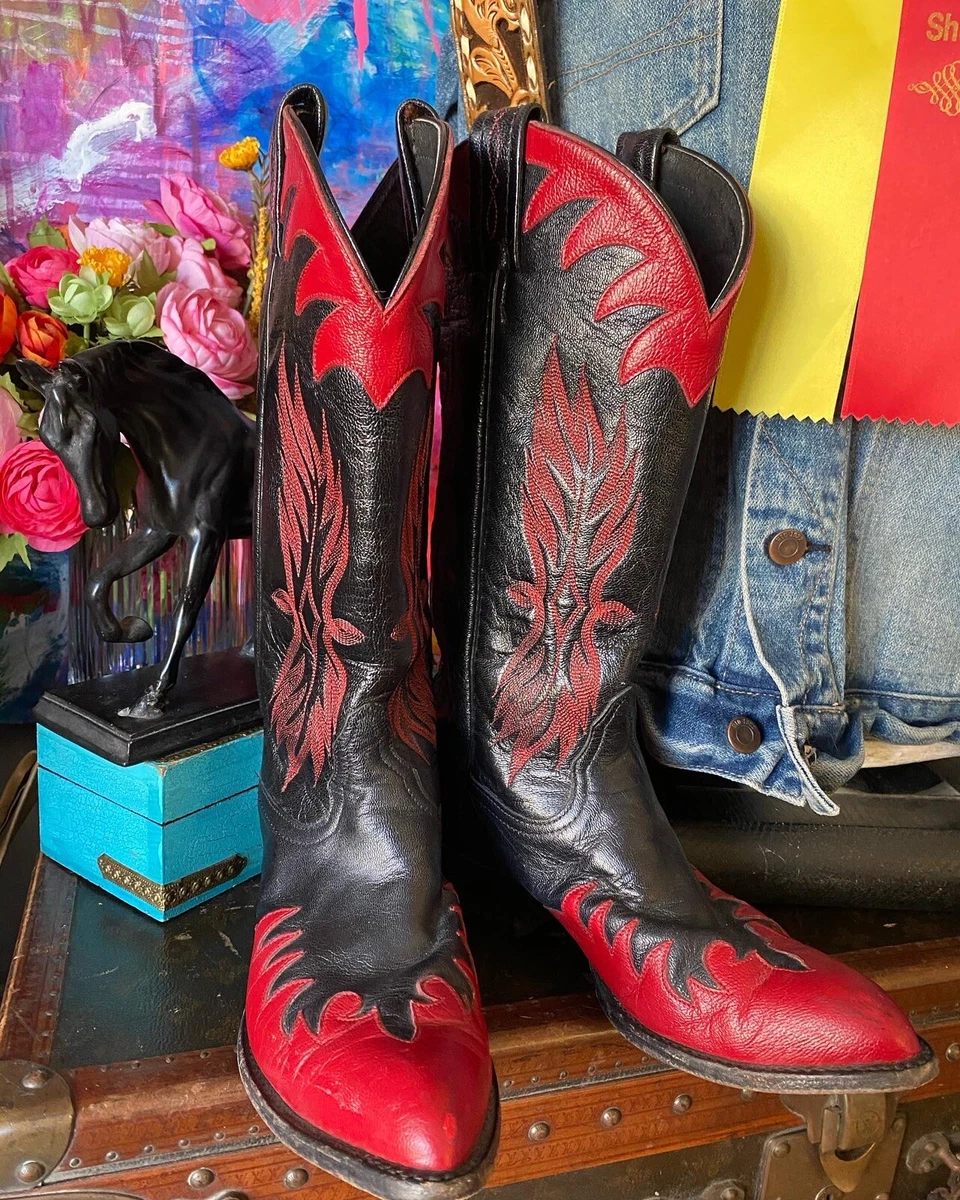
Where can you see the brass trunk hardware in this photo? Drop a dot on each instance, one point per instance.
(164, 896)
(17, 798)
(724, 1189)
(36, 1121)
(930, 1153)
(499, 54)
(91, 1194)
(848, 1149)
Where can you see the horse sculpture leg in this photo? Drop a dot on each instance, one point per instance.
(205, 546)
(134, 552)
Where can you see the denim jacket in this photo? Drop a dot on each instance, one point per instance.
(861, 634)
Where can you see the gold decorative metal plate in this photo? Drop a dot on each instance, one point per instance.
(791, 1165)
(36, 1121)
(499, 53)
(164, 896)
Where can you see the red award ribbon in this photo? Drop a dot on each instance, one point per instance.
(905, 356)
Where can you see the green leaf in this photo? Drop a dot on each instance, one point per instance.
(13, 545)
(166, 230)
(6, 382)
(29, 424)
(147, 279)
(208, 244)
(11, 289)
(75, 343)
(44, 234)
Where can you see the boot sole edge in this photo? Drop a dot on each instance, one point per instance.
(378, 1177)
(895, 1077)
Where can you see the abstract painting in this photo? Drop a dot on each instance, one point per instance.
(100, 98)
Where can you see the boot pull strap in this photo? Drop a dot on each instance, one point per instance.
(643, 152)
(308, 105)
(498, 143)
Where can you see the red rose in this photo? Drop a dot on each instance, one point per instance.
(41, 269)
(38, 498)
(42, 338)
(8, 322)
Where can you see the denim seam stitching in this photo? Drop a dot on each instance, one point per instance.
(623, 62)
(602, 62)
(742, 572)
(648, 669)
(794, 475)
(902, 695)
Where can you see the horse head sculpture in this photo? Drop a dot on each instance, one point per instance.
(195, 452)
(84, 436)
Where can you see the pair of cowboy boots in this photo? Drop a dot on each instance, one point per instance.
(587, 298)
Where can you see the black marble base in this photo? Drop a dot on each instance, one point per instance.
(215, 696)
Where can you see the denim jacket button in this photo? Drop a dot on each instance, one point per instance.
(744, 735)
(788, 546)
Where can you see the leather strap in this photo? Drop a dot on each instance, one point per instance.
(643, 152)
(497, 147)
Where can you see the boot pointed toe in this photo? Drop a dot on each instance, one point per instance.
(420, 1104)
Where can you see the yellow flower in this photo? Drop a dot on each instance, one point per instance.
(242, 155)
(102, 258)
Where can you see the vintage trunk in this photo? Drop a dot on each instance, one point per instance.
(118, 1071)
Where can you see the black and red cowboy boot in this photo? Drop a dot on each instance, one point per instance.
(607, 284)
(363, 1043)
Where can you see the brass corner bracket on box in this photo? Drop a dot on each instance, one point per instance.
(499, 53)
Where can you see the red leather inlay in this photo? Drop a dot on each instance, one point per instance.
(757, 1015)
(383, 344)
(687, 338)
(420, 1104)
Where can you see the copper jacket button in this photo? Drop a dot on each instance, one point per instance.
(745, 735)
(788, 546)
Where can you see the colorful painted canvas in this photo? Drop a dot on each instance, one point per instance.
(100, 98)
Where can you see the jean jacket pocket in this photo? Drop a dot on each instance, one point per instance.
(636, 64)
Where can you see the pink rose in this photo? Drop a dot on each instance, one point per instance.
(38, 498)
(9, 415)
(206, 333)
(113, 233)
(166, 253)
(39, 270)
(199, 271)
(196, 212)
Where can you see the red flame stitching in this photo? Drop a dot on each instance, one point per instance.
(411, 707)
(315, 541)
(579, 511)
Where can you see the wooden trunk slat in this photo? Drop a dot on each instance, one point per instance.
(577, 1138)
(31, 1000)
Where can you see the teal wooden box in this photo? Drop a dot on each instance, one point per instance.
(162, 836)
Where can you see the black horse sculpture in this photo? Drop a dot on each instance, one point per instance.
(195, 451)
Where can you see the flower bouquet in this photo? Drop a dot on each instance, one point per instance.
(190, 275)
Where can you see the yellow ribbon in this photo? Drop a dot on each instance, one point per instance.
(812, 188)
